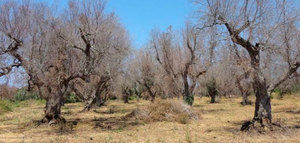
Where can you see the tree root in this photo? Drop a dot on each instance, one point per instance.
(53, 120)
(262, 127)
(244, 103)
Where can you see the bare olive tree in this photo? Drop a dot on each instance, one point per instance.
(101, 41)
(264, 29)
(148, 76)
(14, 25)
(55, 50)
(243, 79)
(181, 61)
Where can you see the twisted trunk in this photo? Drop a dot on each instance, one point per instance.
(246, 100)
(245, 93)
(151, 93)
(54, 102)
(213, 98)
(262, 112)
(187, 95)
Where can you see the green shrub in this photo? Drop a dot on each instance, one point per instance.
(5, 106)
(212, 90)
(189, 100)
(132, 97)
(72, 98)
(23, 95)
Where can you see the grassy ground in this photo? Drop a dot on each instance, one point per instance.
(219, 123)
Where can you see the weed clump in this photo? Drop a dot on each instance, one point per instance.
(5, 106)
(165, 110)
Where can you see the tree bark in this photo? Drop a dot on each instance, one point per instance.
(245, 93)
(262, 103)
(246, 100)
(151, 93)
(187, 95)
(213, 98)
(126, 98)
(262, 112)
(53, 107)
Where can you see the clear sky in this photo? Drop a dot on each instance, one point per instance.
(140, 16)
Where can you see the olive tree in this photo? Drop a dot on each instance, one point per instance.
(101, 41)
(181, 61)
(266, 30)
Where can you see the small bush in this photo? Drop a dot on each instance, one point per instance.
(189, 100)
(132, 97)
(165, 110)
(212, 91)
(23, 95)
(72, 98)
(7, 106)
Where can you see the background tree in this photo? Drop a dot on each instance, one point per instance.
(186, 55)
(252, 25)
(100, 40)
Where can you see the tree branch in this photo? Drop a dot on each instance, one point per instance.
(288, 75)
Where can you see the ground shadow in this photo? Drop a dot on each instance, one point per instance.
(212, 110)
(115, 123)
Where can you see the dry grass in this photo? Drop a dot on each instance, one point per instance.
(165, 110)
(218, 123)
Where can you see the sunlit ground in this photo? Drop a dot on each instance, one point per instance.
(219, 122)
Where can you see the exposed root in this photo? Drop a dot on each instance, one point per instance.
(53, 120)
(262, 127)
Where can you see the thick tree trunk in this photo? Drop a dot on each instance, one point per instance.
(151, 93)
(213, 98)
(187, 95)
(95, 100)
(262, 104)
(90, 102)
(126, 98)
(53, 108)
(246, 100)
(262, 113)
(244, 91)
(95, 96)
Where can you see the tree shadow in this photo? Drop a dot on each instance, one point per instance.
(112, 111)
(115, 123)
(211, 110)
(293, 111)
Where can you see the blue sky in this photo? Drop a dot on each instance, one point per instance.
(140, 16)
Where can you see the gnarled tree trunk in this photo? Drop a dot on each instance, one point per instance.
(150, 92)
(245, 100)
(53, 107)
(187, 96)
(262, 112)
(262, 103)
